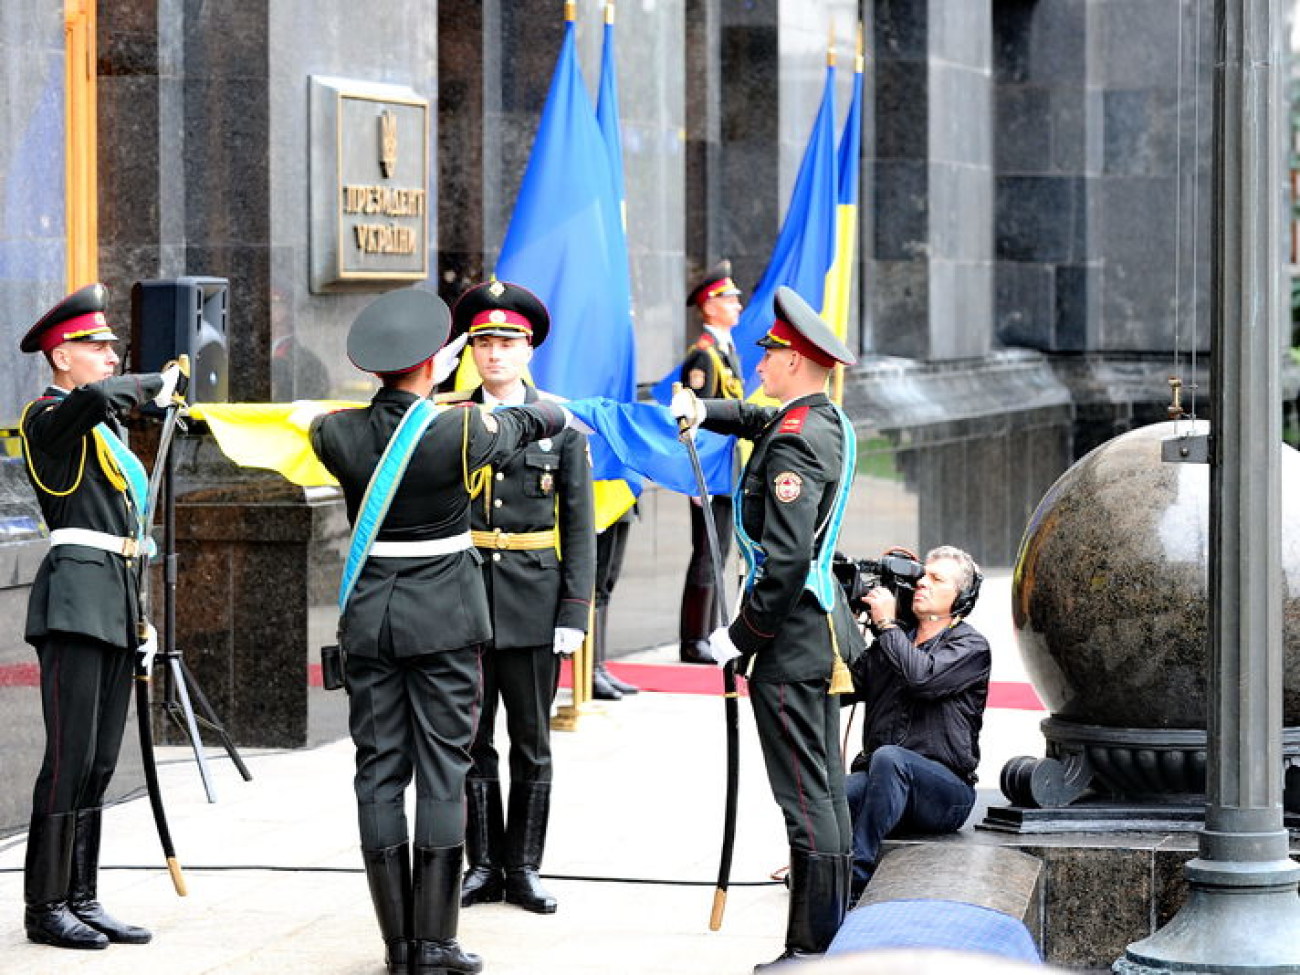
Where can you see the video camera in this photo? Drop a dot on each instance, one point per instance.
(897, 570)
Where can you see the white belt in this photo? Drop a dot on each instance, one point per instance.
(420, 550)
(90, 538)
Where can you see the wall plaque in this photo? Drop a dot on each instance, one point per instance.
(369, 185)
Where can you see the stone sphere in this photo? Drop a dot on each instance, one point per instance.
(1110, 592)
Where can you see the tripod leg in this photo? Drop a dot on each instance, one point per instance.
(213, 722)
(192, 728)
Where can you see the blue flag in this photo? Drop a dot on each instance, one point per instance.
(643, 436)
(565, 244)
(805, 247)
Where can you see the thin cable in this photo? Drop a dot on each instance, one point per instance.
(1196, 204)
(1178, 219)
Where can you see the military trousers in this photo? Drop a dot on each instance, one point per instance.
(85, 695)
(412, 717)
(798, 729)
(523, 680)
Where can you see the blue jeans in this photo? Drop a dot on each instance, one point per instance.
(901, 790)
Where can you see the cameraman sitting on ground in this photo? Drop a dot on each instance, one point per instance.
(924, 690)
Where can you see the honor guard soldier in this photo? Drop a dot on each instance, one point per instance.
(414, 614)
(81, 615)
(794, 631)
(534, 527)
(711, 370)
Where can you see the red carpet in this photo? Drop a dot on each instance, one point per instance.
(665, 678)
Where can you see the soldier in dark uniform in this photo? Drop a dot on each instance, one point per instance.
(794, 626)
(711, 370)
(81, 616)
(534, 527)
(414, 624)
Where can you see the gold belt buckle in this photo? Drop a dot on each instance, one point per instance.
(130, 547)
(502, 539)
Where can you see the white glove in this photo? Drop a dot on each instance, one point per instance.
(687, 408)
(721, 648)
(148, 649)
(567, 640)
(446, 359)
(574, 423)
(171, 375)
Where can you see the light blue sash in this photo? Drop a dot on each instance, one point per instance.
(821, 580)
(137, 480)
(383, 485)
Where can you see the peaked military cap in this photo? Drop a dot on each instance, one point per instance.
(77, 318)
(501, 308)
(398, 331)
(716, 282)
(800, 328)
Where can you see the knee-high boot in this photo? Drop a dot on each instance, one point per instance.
(818, 894)
(388, 871)
(46, 879)
(600, 642)
(696, 624)
(530, 810)
(83, 889)
(485, 830)
(436, 912)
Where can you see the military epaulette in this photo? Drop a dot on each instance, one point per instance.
(794, 420)
(457, 397)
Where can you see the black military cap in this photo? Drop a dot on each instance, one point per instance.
(501, 308)
(800, 328)
(77, 318)
(716, 282)
(398, 331)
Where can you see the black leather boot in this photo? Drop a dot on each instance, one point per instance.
(436, 912)
(485, 830)
(388, 871)
(530, 809)
(601, 648)
(818, 893)
(602, 687)
(83, 890)
(46, 878)
(696, 624)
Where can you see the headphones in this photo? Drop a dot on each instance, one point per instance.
(965, 601)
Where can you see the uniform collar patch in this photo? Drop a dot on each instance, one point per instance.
(794, 420)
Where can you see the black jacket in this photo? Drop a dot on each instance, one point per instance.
(438, 602)
(789, 486)
(545, 485)
(77, 589)
(929, 699)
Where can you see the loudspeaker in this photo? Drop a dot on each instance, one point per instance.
(171, 317)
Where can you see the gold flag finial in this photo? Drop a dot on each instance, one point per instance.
(830, 45)
(609, 12)
(570, 10)
(860, 62)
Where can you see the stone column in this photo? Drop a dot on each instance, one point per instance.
(931, 259)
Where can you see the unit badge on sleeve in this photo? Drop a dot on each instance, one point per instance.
(787, 486)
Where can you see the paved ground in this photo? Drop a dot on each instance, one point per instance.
(275, 881)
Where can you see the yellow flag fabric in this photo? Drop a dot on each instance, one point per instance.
(271, 435)
(274, 436)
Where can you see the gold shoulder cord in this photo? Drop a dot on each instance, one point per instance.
(476, 481)
(108, 463)
(31, 468)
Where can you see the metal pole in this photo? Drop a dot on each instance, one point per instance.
(1242, 913)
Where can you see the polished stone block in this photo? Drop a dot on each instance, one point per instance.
(995, 877)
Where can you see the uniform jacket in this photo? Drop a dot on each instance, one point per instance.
(712, 373)
(432, 603)
(787, 490)
(77, 589)
(545, 485)
(928, 698)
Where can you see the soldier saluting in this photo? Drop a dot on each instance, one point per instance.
(81, 615)
(794, 628)
(414, 614)
(535, 528)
